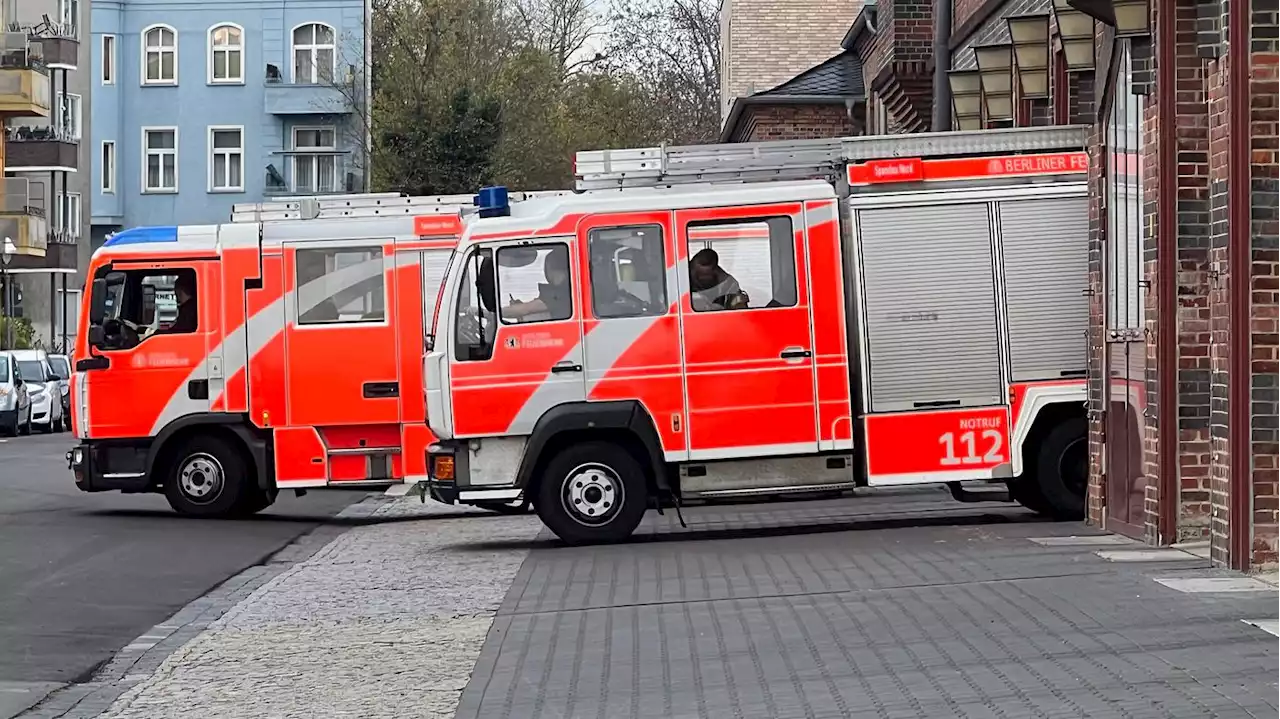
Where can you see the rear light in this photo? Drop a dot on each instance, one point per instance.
(442, 468)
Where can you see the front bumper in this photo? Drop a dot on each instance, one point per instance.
(91, 466)
(448, 477)
(41, 409)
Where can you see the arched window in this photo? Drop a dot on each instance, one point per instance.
(313, 53)
(159, 56)
(226, 53)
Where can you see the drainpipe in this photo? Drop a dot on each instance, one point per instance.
(1166, 274)
(941, 64)
(1240, 512)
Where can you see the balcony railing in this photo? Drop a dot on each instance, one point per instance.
(21, 218)
(24, 77)
(58, 41)
(304, 98)
(30, 148)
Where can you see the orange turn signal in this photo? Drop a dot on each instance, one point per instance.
(442, 467)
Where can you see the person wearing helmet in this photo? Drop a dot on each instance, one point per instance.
(553, 297)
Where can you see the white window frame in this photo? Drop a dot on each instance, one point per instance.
(315, 78)
(160, 49)
(316, 152)
(214, 152)
(109, 43)
(75, 123)
(147, 151)
(228, 49)
(60, 208)
(107, 178)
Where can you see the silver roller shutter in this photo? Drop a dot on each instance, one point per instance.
(1046, 263)
(930, 315)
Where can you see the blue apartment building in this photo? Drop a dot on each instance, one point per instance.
(198, 106)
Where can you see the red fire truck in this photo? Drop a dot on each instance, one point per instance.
(294, 360)
(769, 318)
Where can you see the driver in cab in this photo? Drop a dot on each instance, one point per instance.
(553, 297)
(713, 288)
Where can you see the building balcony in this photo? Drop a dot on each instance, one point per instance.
(297, 98)
(62, 253)
(60, 44)
(21, 220)
(40, 148)
(24, 78)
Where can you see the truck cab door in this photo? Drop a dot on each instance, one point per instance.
(747, 337)
(340, 341)
(161, 329)
(516, 335)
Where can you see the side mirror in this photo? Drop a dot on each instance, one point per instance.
(99, 295)
(51, 377)
(96, 335)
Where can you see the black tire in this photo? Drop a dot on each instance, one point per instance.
(253, 500)
(207, 478)
(504, 508)
(26, 428)
(47, 428)
(592, 477)
(1025, 490)
(1062, 469)
(66, 422)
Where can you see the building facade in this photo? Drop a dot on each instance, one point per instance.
(198, 107)
(765, 44)
(45, 105)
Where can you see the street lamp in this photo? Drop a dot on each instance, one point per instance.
(1030, 34)
(995, 67)
(966, 96)
(1133, 18)
(6, 254)
(1076, 30)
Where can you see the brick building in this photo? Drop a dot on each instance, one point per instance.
(824, 101)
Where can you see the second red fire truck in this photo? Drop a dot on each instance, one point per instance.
(768, 318)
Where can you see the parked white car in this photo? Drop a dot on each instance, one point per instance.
(43, 387)
(15, 403)
(61, 365)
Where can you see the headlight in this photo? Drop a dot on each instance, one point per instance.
(37, 389)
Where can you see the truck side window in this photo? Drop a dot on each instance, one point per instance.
(340, 284)
(742, 264)
(151, 302)
(534, 283)
(473, 328)
(628, 272)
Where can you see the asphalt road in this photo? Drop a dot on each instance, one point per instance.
(82, 575)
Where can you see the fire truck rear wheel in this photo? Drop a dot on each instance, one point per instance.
(206, 478)
(593, 492)
(1062, 469)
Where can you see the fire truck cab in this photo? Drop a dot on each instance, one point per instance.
(770, 318)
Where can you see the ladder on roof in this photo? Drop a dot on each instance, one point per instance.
(804, 159)
(375, 204)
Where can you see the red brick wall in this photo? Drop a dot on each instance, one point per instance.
(795, 122)
(962, 10)
(1219, 316)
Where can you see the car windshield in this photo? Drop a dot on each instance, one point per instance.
(60, 367)
(31, 370)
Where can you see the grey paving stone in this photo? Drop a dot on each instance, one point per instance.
(850, 609)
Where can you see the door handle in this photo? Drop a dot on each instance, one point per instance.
(375, 390)
(795, 353)
(559, 367)
(198, 389)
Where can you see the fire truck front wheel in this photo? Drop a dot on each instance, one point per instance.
(592, 493)
(207, 478)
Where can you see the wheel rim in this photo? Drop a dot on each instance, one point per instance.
(592, 494)
(201, 478)
(1073, 467)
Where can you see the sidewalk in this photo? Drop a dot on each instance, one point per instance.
(886, 606)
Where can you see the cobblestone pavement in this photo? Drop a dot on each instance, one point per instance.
(384, 620)
(893, 607)
(886, 607)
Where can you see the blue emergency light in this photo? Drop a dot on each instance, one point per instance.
(492, 202)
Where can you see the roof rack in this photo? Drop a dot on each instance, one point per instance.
(377, 204)
(803, 159)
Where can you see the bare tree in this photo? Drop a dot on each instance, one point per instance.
(673, 48)
(564, 29)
